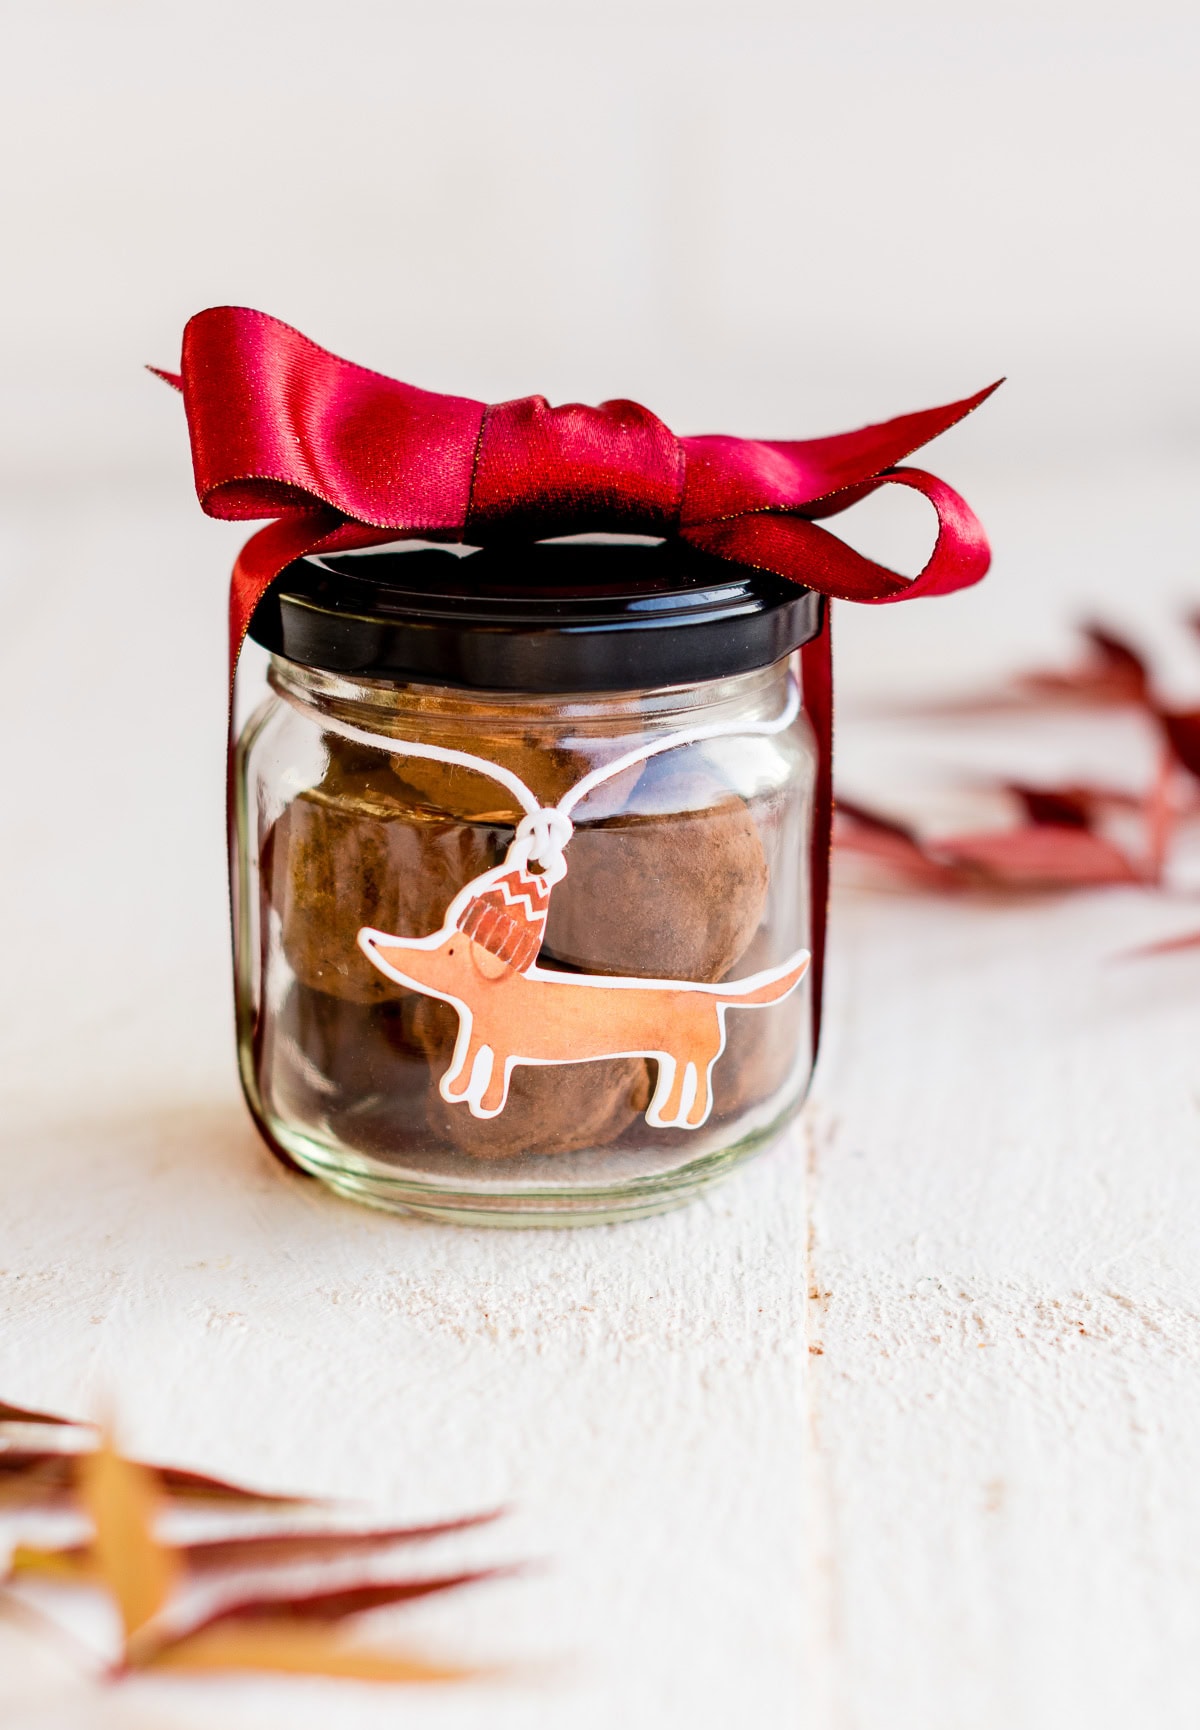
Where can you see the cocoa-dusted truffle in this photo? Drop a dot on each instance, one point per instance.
(355, 851)
(547, 768)
(551, 1108)
(669, 893)
(337, 1051)
(760, 1055)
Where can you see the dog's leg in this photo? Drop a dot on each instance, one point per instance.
(480, 1081)
(701, 1100)
(491, 1101)
(456, 1083)
(673, 1095)
(704, 1059)
(664, 1086)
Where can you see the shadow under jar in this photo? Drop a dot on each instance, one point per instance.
(420, 702)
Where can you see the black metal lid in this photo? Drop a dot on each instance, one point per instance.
(562, 616)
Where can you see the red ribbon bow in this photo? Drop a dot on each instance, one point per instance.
(342, 457)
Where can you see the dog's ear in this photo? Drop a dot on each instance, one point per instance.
(484, 963)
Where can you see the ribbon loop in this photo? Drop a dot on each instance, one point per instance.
(792, 546)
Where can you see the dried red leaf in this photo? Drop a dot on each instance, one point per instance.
(1038, 856)
(335, 1605)
(10, 1414)
(1123, 665)
(266, 1549)
(1161, 812)
(284, 1630)
(200, 1485)
(1182, 730)
(864, 817)
(857, 829)
(1111, 673)
(294, 1547)
(1044, 854)
(54, 1469)
(1062, 807)
(36, 1485)
(1165, 946)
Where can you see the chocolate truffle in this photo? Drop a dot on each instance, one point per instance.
(353, 852)
(761, 1045)
(674, 893)
(551, 1108)
(340, 1051)
(548, 770)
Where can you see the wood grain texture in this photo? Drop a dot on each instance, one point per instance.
(901, 1427)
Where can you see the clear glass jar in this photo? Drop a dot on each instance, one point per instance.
(552, 1044)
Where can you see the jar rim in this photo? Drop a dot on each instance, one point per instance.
(585, 614)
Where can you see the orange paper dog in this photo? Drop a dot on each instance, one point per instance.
(483, 961)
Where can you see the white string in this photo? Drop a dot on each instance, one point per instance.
(691, 736)
(438, 754)
(544, 831)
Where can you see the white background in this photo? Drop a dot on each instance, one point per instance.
(975, 1504)
(769, 218)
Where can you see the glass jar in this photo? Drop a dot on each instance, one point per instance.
(470, 985)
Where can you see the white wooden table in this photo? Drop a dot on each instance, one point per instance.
(899, 1428)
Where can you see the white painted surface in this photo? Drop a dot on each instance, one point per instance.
(976, 1505)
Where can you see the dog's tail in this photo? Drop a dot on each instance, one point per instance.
(762, 988)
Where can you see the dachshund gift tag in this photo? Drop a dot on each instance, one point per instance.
(484, 962)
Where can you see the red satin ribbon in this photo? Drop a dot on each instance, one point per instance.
(343, 458)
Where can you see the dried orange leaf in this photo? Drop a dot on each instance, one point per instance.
(75, 1565)
(284, 1648)
(123, 1499)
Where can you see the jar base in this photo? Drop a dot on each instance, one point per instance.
(542, 1207)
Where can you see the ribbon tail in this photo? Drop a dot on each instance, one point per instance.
(843, 460)
(816, 676)
(795, 548)
(266, 553)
